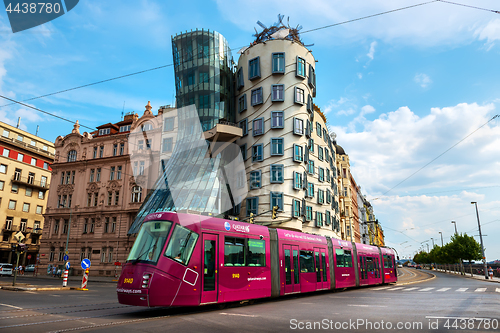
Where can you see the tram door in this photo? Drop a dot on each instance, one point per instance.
(210, 264)
(291, 268)
(321, 268)
(363, 273)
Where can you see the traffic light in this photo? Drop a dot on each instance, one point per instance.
(275, 212)
(251, 217)
(21, 247)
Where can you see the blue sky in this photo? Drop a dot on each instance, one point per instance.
(398, 89)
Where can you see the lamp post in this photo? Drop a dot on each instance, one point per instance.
(455, 223)
(442, 244)
(456, 234)
(432, 242)
(481, 238)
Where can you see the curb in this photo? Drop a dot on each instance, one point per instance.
(472, 277)
(431, 277)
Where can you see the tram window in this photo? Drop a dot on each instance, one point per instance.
(369, 264)
(347, 258)
(181, 245)
(256, 252)
(344, 258)
(306, 262)
(234, 252)
(387, 261)
(150, 241)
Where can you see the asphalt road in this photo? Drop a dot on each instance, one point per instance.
(423, 307)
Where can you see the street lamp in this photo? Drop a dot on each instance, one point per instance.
(481, 238)
(432, 242)
(442, 244)
(456, 234)
(455, 223)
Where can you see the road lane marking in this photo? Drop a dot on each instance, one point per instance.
(367, 305)
(11, 306)
(427, 289)
(498, 290)
(382, 288)
(480, 290)
(237, 314)
(443, 289)
(462, 289)
(410, 289)
(397, 288)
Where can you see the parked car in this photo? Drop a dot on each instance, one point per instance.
(6, 269)
(418, 267)
(30, 268)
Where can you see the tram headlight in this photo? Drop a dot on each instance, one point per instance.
(145, 280)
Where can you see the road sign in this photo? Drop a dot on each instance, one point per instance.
(19, 236)
(85, 263)
(65, 257)
(117, 263)
(29, 256)
(68, 265)
(67, 252)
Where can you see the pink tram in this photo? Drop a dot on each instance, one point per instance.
(191, 260)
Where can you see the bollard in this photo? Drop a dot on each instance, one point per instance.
(65, 278)
(85, 279)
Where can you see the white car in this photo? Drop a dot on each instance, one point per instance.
(6, 269)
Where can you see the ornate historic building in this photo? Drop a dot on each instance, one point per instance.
(97, 190)
(25, 164)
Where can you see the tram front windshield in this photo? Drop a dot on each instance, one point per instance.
(150, 241)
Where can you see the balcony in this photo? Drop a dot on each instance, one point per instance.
(10, 228)
(27, 181)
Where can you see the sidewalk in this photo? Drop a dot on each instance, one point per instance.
(467, 275)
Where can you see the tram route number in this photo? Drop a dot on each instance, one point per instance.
(236, 276)
(128, 280)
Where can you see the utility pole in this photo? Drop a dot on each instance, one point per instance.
(442, 244)
(481, 238)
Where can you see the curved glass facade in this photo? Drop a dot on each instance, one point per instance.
(204, 70)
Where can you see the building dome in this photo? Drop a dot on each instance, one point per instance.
(340, 150)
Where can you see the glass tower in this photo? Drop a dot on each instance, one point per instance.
(204, 70)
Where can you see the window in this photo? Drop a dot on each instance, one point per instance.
(39, 209)
(92, 171)
(33, 161)
(104, 131)
(297, 180)
(15, 188)
(244, 252)
(277, 147)
(312, 76)
(101, 151)
(45, 148)
(257, 96)
(8, 222)
(136, 194)
(113, 224)
(258, 126)
(5, 152)
(20, 157)
(122, 148)
(308, 129)
(95, 152)
(320, 153)
(319, 219)
(240, 82)
(112, 173)
(243, 149)
(148, 143)
(321, 197)
(110, 197)
(343, 258)
(328, 175)
(328, 196)
(46, 165)
(310, 167)
(5, 133)
(20, 138)
(124, 128)
(2, 183)
(277, 200)
(244, 126)
(321, 174)
(277, 173)
(68, 174)
(115, 149)
(181, 245)
(242, 103)
(257, 153)
(168, 124)
(252, 205)
(72, 156)
(26, 207)
(255, 179)
(309, 103)
(98, 175)
(24, 222)
(277, 119)
(203, 77)
(92, 227)
(28, 191)
(254, 68)
(298, 126)
(299, 95)
(204, 101)
(279, 62)
(278, 92)
(318, 129)
(119, 172)
(296, 208)
(3, 168)
(309, 213)
(17, 174)
(298, 153)
(147, 127)
(41, 195)
(167, 145)
(310, 190)
(301, 67)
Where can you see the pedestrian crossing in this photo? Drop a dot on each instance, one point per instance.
(438, 290)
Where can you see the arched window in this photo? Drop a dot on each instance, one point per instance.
(147, 127)
(136, 194)
(72, 156)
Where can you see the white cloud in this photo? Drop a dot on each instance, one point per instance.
(371, 53)
(367, 109)
(490, 32)
(360, 76)
(422, 79)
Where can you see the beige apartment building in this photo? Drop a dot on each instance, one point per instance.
(25, 176)
(97, 191)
